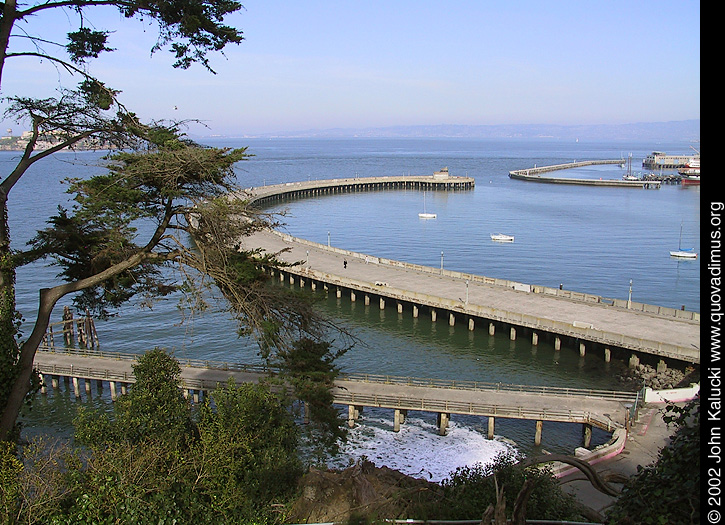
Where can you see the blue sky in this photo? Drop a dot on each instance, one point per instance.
(325, 64)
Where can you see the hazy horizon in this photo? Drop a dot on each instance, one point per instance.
(328, 65)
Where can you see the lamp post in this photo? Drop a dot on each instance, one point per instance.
(328, 239)
(466, 292)
(441, 262)
(629, 299)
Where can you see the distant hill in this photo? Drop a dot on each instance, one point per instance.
(683, 130)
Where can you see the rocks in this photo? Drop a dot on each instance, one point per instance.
(662, 380)
(361, 490)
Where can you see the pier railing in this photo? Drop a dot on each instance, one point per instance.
(452, 384)
(476, 409)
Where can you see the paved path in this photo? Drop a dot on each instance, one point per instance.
(644, 442)
(405, 281)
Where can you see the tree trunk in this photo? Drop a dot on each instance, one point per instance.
(24, 367)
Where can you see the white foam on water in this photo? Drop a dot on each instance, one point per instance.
(418, 450)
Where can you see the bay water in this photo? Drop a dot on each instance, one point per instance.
(599, 240)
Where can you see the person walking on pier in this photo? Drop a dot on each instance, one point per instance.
(344, 263)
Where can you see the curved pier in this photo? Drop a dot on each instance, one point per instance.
(534, 175)
(582, 320)
(440, 181)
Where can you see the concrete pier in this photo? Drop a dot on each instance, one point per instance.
(605, 409)
(565, 316)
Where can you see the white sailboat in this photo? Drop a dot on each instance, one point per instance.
(425, 214)
(683, 253)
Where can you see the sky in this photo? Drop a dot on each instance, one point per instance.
(342, 64)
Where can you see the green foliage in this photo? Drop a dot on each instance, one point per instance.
(471, 489)
(249, 444)
(154, 409)
(308, 367)
(10, 470)
(84, 44)
(153, 463)
(668, 491)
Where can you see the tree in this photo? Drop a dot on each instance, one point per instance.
(156, 182)
(190, 28)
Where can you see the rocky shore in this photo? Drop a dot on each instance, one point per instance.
(664, 379)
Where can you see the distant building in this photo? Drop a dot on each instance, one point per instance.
(659, 159)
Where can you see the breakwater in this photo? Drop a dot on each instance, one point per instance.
(534, 175)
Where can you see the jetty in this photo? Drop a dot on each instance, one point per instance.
(579, 320)
(534, 175)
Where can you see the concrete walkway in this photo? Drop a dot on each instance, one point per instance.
(644, 442)
(357, 271)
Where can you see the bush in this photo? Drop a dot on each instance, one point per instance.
(471, 489)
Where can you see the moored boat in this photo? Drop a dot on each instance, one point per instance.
(683, 253)
(500, 237)
(690, 174)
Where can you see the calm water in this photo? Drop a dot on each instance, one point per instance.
(586, 238)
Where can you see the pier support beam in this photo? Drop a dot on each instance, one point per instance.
(607, 355)
(352, 296)
(633, 361)
(415, 311)
(537, 436)
(442, 422)
(491, 328)
(586, 434)
(382, 303)
(353, 414)
(582, 349)
(557, 343)
(534, 339)
(399, 418)
(512, 335)
(661, 366)
(76, 388)
(491, 423)
(451, 319)
(367, 300)
(471, 324)
(112, 384)
(400, 308)
(433, 316)
(338, 292)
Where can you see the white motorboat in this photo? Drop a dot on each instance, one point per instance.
(500, 237)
